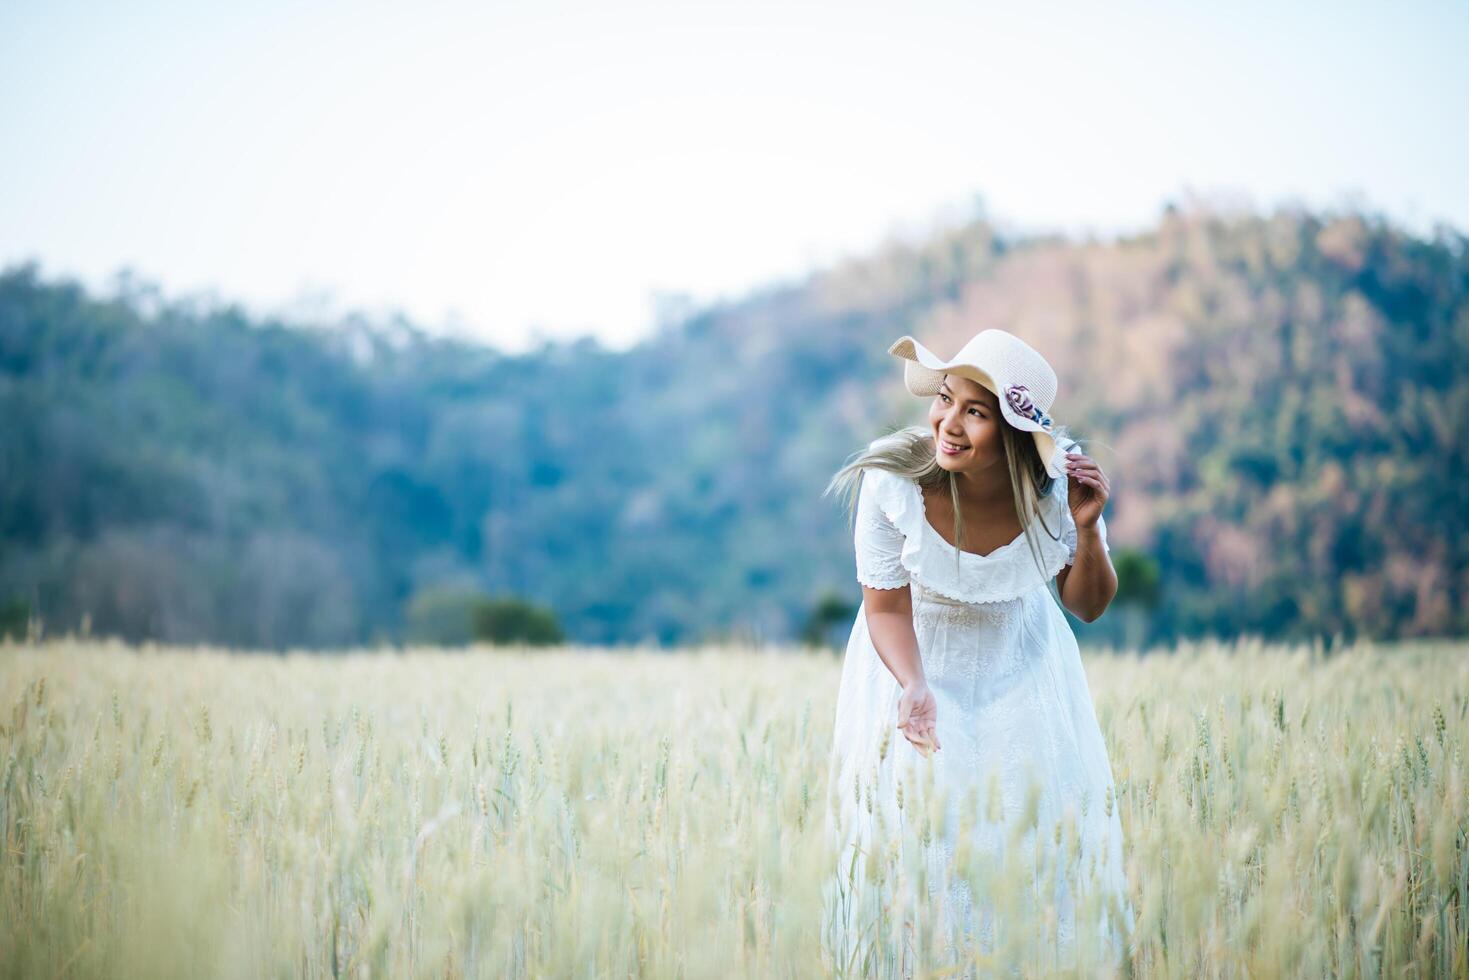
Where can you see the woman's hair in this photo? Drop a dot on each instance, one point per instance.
(910, 452)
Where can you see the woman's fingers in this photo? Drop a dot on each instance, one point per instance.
(922, 735)
(918, 734)
(1083, 467)
(917, 723)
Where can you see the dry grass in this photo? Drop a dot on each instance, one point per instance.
(173, 812)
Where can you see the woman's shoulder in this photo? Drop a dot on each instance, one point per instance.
(888, 482)
(893, 493)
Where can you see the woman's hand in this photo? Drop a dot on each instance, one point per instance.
(1088, 489)
(917, 716)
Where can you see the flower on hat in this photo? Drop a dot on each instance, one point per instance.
(1019, 398)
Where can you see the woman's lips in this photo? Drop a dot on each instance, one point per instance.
(946, 448)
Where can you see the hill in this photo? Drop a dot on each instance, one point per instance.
(1275, 398)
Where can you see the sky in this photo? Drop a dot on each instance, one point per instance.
(546, 170)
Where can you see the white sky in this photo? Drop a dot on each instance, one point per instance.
(517, 171)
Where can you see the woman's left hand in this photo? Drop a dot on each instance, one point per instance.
(1088, 489)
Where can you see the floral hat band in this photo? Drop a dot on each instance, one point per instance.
(1014, 371)
(1019, 398)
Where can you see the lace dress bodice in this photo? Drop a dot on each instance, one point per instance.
(895, 544)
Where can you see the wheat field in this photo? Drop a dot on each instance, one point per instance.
(512, 813)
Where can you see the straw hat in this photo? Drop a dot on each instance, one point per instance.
(1000, 361)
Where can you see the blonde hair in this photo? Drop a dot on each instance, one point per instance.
(910, 452)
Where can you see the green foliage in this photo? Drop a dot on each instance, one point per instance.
(1138, 578)
(830, 618)
(459, 615)
(1278, 399)
(15, 617)
(506, 619)
(440, 616)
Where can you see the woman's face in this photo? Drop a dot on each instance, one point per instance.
(966, 414)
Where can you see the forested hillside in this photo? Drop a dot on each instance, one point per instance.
(1277, 399)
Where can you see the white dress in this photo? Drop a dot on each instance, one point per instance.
(1022, 764)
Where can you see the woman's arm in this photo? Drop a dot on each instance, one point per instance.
(890, 624)
(1088, 584)
(888, 603)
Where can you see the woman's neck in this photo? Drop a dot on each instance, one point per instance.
(987, 489)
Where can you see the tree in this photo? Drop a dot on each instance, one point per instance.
(443, 615)
(1138, 591)
(507, 619)
(830, 611)
(15, 616)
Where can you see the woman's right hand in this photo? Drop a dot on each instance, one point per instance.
(918, 715)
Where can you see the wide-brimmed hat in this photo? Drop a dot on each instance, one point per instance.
(1000, 361)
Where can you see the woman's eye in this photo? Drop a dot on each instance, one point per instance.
(974, 410)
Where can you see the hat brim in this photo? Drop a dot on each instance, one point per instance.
(923, 373)
(923, 370)
(1052, 453)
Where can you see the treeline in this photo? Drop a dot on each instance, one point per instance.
(1275, 397)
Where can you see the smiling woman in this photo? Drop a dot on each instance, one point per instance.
(959, 645)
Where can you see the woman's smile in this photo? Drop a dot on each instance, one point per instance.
(950, 449)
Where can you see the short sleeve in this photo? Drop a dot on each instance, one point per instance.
(1068, 525)
(877, 540)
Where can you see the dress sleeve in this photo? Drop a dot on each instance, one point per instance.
(1068, 525)
(877, 540)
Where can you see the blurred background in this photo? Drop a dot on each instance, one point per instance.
(352, 324)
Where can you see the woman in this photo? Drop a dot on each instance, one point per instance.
(988, 834)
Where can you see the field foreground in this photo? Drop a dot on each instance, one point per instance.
(190, 813)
